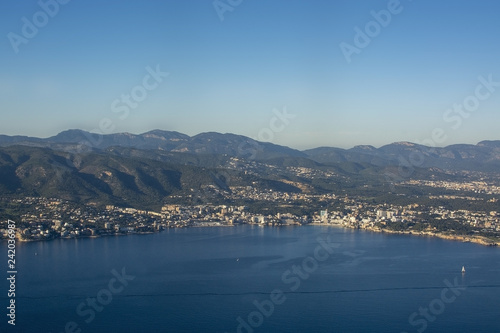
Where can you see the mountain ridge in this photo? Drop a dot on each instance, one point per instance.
(484, 156)
(156, 167)
(73, 135)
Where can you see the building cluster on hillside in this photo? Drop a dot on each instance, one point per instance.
(45, 218)
(53, 218)
(256, 168)
(367, 216)
(471, 186)
(252, 193)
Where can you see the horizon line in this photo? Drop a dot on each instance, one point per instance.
(230, 133)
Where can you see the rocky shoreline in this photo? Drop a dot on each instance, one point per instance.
(466, 239)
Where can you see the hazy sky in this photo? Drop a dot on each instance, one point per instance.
(342, 77)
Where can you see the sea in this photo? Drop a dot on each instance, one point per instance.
(253, 279)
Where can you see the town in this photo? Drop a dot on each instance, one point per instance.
(49, 218)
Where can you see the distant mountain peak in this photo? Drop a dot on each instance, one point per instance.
(71, 135)
(364, 147)
(164, 134)
(405, 143)
(71, 131)
(489, 143)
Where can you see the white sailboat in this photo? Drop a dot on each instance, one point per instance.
(463, 269)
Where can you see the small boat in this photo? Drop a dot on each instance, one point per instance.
(463, 269)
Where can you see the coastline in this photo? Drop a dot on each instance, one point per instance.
(462, 238)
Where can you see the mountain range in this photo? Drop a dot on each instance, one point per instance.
(147, 169)
(485, 156)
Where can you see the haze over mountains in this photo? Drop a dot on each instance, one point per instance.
(485, 156)
(147, 169)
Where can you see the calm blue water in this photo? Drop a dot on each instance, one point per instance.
(206, 279)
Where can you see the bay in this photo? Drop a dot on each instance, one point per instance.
(255, 279)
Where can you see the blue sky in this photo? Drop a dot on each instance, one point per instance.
(265, 56)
